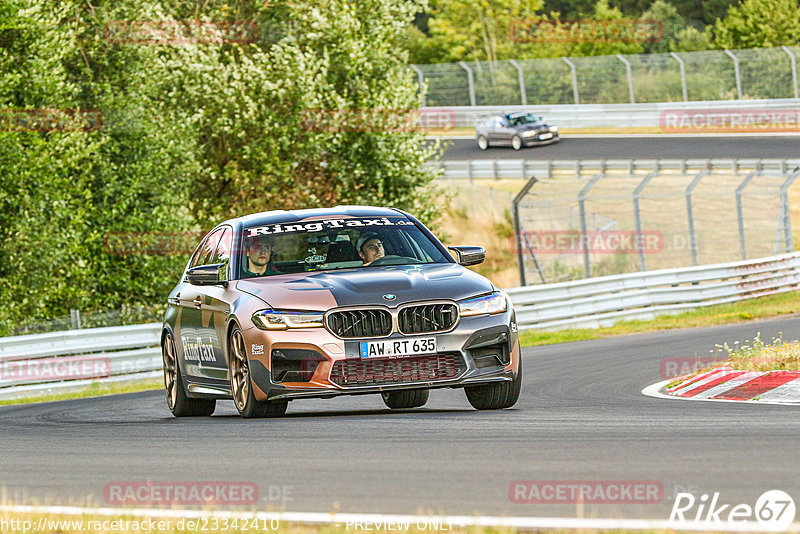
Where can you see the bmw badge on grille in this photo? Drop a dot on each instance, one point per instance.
(389, 296)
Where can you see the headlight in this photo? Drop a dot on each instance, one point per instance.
(281, 320)
(529, 133)
(554, 128)
(494, 303)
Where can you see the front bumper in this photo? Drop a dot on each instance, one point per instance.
(536, 140)
(485, 347)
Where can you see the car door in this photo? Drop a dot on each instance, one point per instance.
(197, 345)
(500, 131)
(215, 307)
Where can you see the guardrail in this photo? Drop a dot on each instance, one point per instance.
(40, 362)
(35, 363)
(652, 115)
(526, 168)
(602, 301)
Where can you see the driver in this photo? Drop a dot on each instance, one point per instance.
(259, 251)
(370, 247)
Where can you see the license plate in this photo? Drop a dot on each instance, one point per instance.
(545, 136)
(398, 348)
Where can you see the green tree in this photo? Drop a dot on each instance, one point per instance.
(672, 24)
(479, 29)
(759, 24)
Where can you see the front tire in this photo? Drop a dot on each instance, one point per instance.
(495, 396)
(516, 142)
(408, 398)
(179, 404)
(483, 143)
(242, 385)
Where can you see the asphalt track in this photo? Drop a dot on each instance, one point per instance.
(581, 417)
(643, 147)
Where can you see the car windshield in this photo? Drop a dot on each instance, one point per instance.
(523, 118)
(334, 243)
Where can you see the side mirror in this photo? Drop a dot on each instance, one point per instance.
(207, 275)
(469, 255)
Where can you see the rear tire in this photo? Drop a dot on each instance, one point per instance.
(178, 402)
(495, 396)
(408, 398)
(242, 385)
(483, 143)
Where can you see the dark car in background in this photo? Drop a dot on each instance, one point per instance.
(285, 305)
(515, 130)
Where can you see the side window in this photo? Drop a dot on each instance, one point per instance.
(223, 254)
(206, 251)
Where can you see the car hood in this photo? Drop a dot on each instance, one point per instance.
(367, 286)
(532, 126)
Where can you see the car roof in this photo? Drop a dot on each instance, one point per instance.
(280, 216)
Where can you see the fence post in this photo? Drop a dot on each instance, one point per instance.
(787, 222)
(630, 76)
(471, 81)
(518, 232)
(794, 69)
(587, 270)
(740, 212)
(75, 319)
(683, 75)
(421, 79)
(638, 217)
(523, 94)
(736, 72)
(574, 78)
(690, 213)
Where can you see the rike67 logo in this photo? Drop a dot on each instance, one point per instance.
(774, 510)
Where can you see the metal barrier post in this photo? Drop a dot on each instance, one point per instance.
(523, 94)
(638, 217)
(471, 81)
(421, 79)
(518, 232)
(587, 271)
(574, 78)
(736, 72)
(787, 222)
(740, 212)
(683, 75)
(794, 69)
(75, 319)
(630, 76)
(690, 213)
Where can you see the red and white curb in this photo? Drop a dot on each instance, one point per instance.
(722, 383)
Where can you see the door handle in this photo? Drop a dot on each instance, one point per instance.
(197, 301)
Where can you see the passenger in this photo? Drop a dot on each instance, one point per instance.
(259, 251)
(370, 247)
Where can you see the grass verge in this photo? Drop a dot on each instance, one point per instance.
(95, 389)
(767, 307)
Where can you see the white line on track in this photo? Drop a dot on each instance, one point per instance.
(653, 390)
(340, 519)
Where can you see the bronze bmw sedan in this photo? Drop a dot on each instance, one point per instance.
(286, 305)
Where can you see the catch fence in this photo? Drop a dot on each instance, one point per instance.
(763, 73)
